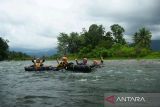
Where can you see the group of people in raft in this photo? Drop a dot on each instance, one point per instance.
(38, 63)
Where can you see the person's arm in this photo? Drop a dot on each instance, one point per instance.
(77, 62)
(101, 60)
(43, 60)
(33, 60)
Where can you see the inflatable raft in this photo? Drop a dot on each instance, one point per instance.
(79, 68)
(47, 68)
(71, 67)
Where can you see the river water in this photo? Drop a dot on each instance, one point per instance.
(19, 88)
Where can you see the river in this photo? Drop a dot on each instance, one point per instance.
(19, 88)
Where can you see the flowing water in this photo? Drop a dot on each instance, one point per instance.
(19, 88)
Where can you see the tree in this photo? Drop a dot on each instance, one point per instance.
(17, 56)
(142, 38)
(117, 32)
(3, 48)
(135, 38)
(63, 43)
(94, 35)
(74, 42)
(69, 43)
(107, 41)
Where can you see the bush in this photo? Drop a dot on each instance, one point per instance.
(143, 52)
(85, 50)
(122, 51)
(127, 52)
(117, 50)
(153, 55)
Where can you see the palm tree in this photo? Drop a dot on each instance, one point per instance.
(143, 38)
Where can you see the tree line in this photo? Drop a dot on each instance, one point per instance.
(97, 41)
(94, 42)
(5, 54)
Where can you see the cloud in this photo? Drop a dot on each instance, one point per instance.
(35, 24)
(132, 14)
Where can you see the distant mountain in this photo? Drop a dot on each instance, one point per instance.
(155, 45)
(37, 53)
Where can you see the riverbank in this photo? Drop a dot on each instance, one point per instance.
(105, 59)
(153, 55)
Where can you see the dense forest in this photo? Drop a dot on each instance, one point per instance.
(110, 44)
(5, 54)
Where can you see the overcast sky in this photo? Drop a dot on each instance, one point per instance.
(35, 24)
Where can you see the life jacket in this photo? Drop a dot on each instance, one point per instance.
(37, 66)
(62, 64)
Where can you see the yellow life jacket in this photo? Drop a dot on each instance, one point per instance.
(62, 64)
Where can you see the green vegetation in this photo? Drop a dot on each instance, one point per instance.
(18, 56)
(93, 43)
(5, 54)
(3, 49)
(110, 44)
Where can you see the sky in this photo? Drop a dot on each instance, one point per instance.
(35, 24)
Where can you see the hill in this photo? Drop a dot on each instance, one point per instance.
(155, 45)
(37, 53)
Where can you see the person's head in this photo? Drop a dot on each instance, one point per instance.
(85, 60)
(37, 60)
(65, 59)
(95, 62)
